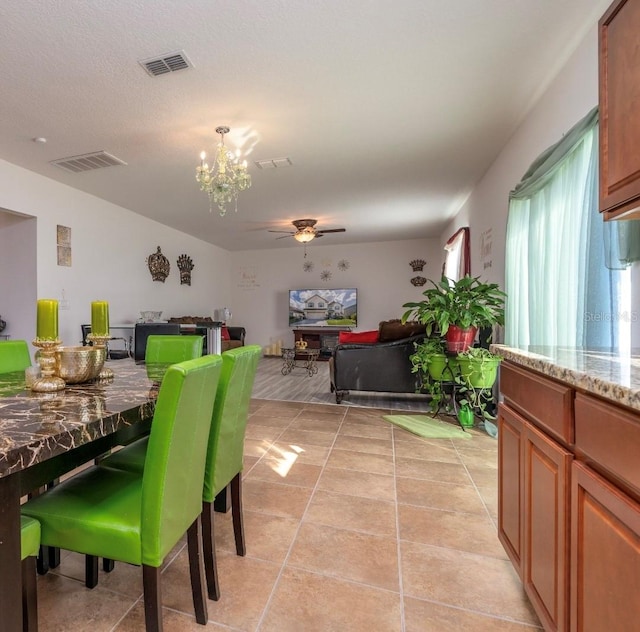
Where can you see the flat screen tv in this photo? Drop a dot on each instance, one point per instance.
(320, 308)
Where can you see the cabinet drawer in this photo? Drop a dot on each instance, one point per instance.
(547, 403)
(609, 436)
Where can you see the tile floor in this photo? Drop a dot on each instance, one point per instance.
(351, 525)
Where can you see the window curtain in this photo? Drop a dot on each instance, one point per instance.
(559, 292)
(457, 262)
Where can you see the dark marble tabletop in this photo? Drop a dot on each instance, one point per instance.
(37, 426)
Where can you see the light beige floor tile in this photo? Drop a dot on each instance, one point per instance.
(275, 499)
(441, 450)
(352, 512)
(480, 458)
(364, 444)
(245, 586)
(413, 491)
(307, 437)
(490, 497)
(286, 471)
(483, 476)
(266, 537)
(356, 483)
(325, 423)
(426, 616)
(361, 557)
(365, 414)
(260, 419)
(263, 433)
(317, 603)
(256, 447)
(466, 532)
(321, 412)
(366, 429)
(65, 604)
(173, 621)
(475, 582)
(436, 471)
(361, 461)
(289, 451)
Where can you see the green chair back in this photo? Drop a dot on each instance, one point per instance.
(176, 455)
(226, 441)
(14, 356)
(172, 349)
(30, 537)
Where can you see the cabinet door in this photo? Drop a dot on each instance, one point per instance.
(547, 467)
(605, 554)
(510, 484)
(619, 59)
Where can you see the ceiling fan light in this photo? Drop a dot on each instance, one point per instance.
(304, 237)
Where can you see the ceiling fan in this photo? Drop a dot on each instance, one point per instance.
(305, 230)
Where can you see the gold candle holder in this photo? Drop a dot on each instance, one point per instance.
(101, 342)
(49, 382)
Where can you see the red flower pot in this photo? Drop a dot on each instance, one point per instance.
(459, 340)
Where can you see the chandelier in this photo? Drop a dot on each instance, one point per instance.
(226, 177)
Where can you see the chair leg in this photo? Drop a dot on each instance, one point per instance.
(90, 571)
(29, 596)
(108, 565)
(194, 545)
(152, 598)
(42, 563)
(209, 551)
(236, 513)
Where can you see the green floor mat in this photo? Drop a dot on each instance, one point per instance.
(428, 427)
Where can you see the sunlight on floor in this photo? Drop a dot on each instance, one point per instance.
(285, 462)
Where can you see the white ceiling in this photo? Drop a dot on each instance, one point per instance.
(389, 110)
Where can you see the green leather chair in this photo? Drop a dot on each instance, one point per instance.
(138, 517)
(224, 454)
(171, 349)
(14, 356)
(29, 547)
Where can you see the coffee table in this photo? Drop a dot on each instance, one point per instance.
(307, 358)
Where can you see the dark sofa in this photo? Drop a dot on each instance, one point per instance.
(380, 367)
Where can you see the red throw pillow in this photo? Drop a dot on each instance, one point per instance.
(225, 334)
(357, 336)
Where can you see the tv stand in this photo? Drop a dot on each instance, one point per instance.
(324, 339)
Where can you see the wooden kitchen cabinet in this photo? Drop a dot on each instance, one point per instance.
(511, 484)
(569, 501)
(547, 467)
(605, 554)
(619, 98)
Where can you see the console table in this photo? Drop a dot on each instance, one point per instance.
(307, 356)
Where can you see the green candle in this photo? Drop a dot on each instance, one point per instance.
(100, 318)
(47, 321)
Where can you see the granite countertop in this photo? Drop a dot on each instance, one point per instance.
(612, 375)
(37, 426)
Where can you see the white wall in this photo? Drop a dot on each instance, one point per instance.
(18, 274)
(110, 245)
(569, 97)
(261, 280)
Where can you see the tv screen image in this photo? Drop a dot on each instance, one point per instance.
(318, 308)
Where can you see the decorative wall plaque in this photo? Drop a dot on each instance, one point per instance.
(159, 266)
(417, 265)
(418, 281)
(185, 265)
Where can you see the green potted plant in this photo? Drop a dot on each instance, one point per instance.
(457, 308)
(478, 367)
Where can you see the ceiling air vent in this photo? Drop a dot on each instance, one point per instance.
(87, 162)
(274, 163)
(169, 62)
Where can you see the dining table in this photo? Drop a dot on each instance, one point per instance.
(46, 435)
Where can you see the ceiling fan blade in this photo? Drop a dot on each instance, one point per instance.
(284, 236)
(332, 230)
(280, 231)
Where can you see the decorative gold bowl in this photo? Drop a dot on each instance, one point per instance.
(79, 364)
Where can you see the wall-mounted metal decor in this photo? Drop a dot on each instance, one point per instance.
(159, 265)
(307, 266)
(417, 265)
(343, 265)
(418, 281)
(185, 265)
(326, 275)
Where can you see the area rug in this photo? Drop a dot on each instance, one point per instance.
(428, 427)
